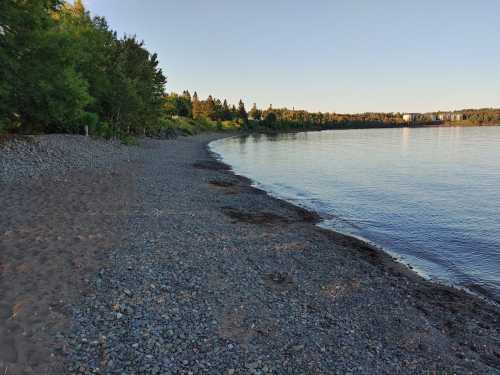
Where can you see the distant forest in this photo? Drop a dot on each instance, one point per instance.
(64, 71)
(185, 105)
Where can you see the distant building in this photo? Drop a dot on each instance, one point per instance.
(450, 116)
(432, 117)
(444, 116)
(410, 117)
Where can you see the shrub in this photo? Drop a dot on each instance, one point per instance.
(129, 140)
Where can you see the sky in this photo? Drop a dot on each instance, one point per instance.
(344, 56)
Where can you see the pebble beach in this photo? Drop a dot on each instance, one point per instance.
(158, 259)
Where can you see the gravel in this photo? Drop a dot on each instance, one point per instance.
(218, 278)
(44, 155)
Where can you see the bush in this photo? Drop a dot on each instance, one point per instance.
(129, 140)
(3, 128)
(91, 120)
(103, 129)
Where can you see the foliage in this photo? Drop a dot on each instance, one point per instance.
(242, 113)
(178, 105)
(172, 127)
(62, 69)
(482, 116)
(255, 113)
(129, 140)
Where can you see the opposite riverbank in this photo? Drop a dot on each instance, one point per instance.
(157, 259)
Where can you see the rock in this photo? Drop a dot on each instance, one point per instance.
(253, 365)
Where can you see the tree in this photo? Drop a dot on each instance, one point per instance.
(218, 110)
(226, 111)
(43, 96)
(242, 113)
(209, 108)
(196, 107)
(176, 105)
(62, 69)
(270, 119)
(255, 113)
(186, 95)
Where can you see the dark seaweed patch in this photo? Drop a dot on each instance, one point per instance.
(222, 183)
(253, 217)
(211, 165)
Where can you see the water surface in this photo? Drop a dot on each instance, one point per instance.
(431, 196)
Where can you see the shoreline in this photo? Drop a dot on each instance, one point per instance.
(199, 271)
(480, 292)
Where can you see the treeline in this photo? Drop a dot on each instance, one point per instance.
(276, 119)
(185, 105)
(482, 116)
(213, 109)
(62, 70)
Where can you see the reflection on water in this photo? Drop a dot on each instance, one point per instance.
(428, 195)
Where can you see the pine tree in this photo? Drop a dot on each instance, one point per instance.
(226, 111)
(255, 113)
(196, 106)
(186, 94)
(209, 108)
(242, 113)
(218, 110)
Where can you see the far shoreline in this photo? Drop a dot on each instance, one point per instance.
(367, 127)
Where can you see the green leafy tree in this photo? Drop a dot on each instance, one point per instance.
(48, 96)
(62, 69)
(176, 105)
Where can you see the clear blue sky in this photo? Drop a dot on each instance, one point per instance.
(337, 55)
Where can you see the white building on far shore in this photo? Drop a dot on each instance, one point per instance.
(433, 117)
(410, 117)
(450, 116)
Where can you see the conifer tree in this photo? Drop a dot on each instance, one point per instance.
(226, 111)
(186, 94)
(196, 107)
(242, 113)
(209, 108)
(255, 113)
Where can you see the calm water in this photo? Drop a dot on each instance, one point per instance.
(429, 196)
